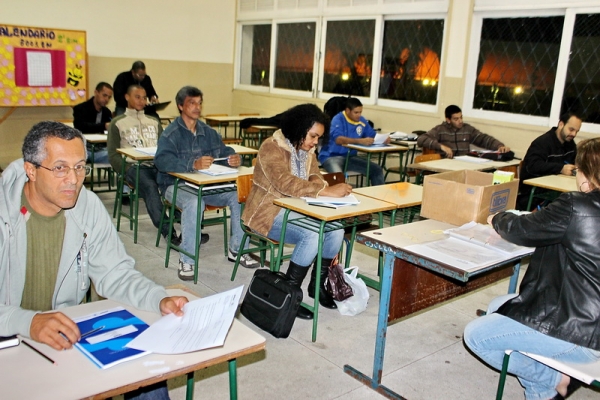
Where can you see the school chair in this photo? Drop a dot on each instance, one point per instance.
(586, 373)
(132, 196)
(419, 174)
(258, 242)
(251, 135)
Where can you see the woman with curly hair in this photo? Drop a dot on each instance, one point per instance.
(286, 166)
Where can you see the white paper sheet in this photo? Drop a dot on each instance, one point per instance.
(151, 151)
(380, 139)
(475, 160)
(205, 324)
(39, 68)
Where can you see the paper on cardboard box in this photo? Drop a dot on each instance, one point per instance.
(458, 197)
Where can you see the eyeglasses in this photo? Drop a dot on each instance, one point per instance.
(60, 171)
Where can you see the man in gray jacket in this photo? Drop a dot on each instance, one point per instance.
(55, 237)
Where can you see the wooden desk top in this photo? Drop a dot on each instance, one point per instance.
(377, 149)
(402, 194)
(451, 164)
(233, 118)
(198, 178)
(75, 377)
(96, 137)
(560, 183)
(243, 149)
(367, 205)
(265, 127)
(407, 143)
(134, 154)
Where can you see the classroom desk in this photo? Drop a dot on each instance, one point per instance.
(235, 119)
(557, 183)
(138, 157)
(200, 180)
(94, 139)
(370, 150)
(393, 242)
(452, 164)
(29, 376)
(263, 131)
(244, 151)
(412, 150)
(406, 197)
(323, 219)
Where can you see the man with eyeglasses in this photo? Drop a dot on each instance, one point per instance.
(56, 238)
(187, 145)
(136, 76)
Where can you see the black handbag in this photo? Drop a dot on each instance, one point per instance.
(271, 303)
(493, 155)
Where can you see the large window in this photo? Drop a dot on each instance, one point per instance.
(256, 55)
(295, 56)
(349, 57)
(410, 63)
(517, 64)
(582, 84)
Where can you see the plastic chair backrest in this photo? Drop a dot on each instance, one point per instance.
(333, 178)
(244, 184)
(427, 157)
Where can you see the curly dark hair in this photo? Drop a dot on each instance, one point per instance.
(296, 122)
(34, 145)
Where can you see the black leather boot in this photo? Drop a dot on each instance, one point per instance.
(325, 298)
(295, 276)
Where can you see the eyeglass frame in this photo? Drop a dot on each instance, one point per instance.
(68, 169)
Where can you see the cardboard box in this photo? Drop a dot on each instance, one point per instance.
(459, 197)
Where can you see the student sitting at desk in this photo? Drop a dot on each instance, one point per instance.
(56, 236)
(454, 138)
(350, 127)
(556, 313)
(287, 167)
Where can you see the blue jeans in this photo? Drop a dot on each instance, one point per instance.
(188, 202)
(100, 156)
(489, 336)
(305, 241)
(356, 164)
(148, 190)
(157, 391)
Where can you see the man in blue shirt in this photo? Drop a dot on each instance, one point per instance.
(350, 127)
(187, 145)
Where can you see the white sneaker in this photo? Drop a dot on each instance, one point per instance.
(186, 271)
(248, 262)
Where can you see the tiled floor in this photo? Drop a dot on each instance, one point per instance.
(425, 357)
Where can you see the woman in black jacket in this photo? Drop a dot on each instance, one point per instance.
(557, 311)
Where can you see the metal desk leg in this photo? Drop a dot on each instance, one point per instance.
(384, 306)
(530, 198)
(368, 169)
(512, 285)
(136, 202)
(189, 393)
(233, 379)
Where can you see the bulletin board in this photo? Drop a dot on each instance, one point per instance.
(42, 67)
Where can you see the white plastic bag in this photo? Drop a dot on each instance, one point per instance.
(358, 303)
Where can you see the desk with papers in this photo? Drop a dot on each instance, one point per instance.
(407, 272)
(29, 376)
(370, 150)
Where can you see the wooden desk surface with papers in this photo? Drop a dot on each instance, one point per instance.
(29, 376)
(96, 137)
(377, 148)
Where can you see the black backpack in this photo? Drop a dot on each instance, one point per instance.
(335, 105)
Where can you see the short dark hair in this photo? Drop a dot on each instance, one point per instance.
(34, 145)
(103, 85)
(136, 66)
(565, 117)
(588, 161)
(296, 122)
(134, 87)
(352, 103)
(187, 91)
(451, 110)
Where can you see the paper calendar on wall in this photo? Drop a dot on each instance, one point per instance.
(42, 66)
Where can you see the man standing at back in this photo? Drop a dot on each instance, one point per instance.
(187, 145)
(56, 237)
(454, 138)
(553, 153)
(350, 127)
(92, 116)
(134, 129)
(136, 76)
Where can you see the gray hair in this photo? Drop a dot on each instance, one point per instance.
(187, 91)
(34, 145)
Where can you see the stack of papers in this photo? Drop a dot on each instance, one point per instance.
(470, 159)
(332, 202)
(216, 169)
(151, 151)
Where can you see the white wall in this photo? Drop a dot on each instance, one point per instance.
(182, 30)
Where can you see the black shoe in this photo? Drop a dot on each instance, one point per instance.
(175, 240)
(204, 238)
(125, 201)
(325, 298)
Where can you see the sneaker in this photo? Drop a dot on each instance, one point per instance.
(186, 271)
(248, 262)
(245, 260)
